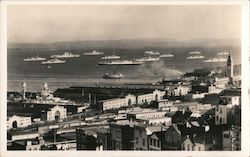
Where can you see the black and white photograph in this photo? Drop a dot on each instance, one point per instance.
(124, 77)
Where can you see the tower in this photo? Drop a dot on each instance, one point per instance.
(230, 66)
(24, 90)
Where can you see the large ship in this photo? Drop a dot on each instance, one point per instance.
(219, 59)
(113, 76)
(32, 59)
(65, 55)
(195, 57)
(120, 62)
(111, 57)
(223, 53)
(194, 53)
(166, 55)
(53, 61)
(93, 53)
(148, 59)
(152, 53)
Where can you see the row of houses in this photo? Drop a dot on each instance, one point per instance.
(129, 100)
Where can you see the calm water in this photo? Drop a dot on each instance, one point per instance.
(85, 70)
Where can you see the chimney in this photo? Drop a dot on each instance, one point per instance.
(89, 98)
(29, 143)
(41, 141)
(82, 92)
(183, 111)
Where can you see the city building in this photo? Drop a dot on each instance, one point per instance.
(87, 140)
(164, 103)
(54, 113)
(146, 114)
(221, 82)
(214, 90)
(156, 141)
(173, 138)
(116, 103)
(140, 138)
(231, 139)
(197, 143)
(166, 121)
(180, 90)
(181, 116)
(147, 98)
(18, 122)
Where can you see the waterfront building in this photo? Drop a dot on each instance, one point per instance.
(18, 122)
(147, 98)
(116, 103)
(54, 113)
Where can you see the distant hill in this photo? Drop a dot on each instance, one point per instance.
(129, 44)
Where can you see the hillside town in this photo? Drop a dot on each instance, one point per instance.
(200, 111)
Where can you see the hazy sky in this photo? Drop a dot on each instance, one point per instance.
(63, 23)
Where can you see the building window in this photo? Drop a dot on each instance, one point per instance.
(220, 110)
(188, 147)
(140, 132)
(117, 146)
(220, 120)
(143, 142)
(217, 118)
(199, 148)
(158, 143)
(154, 142)
(117, 134)
(136, 140)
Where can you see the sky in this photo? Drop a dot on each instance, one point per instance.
(54, 23)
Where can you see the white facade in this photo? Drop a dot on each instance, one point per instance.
(23, 136)
(192, 96)
(56, 113)
(157, 121)
(221, 113)
(155, 96)
(188, 145)
(180, 91)
(131, 100)
(214, 90)
(18, 122)
(148, 115)
(232, 100)
(221, 82)
(164, 103)
(118, 102)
